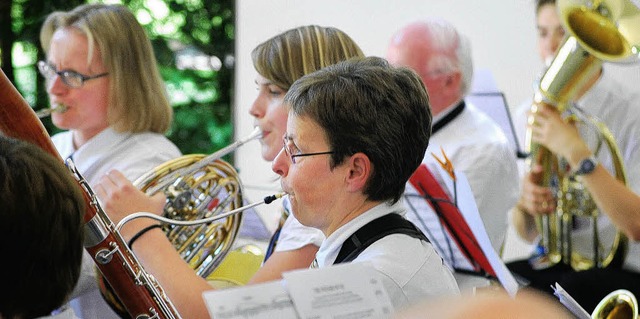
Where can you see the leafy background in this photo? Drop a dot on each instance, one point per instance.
(194, 44)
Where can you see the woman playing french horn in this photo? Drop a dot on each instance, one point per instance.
(279, 61)
(602, 97)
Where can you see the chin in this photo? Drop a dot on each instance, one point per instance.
(299, 217)
(59, 123)
(268, 154)
(267, 157)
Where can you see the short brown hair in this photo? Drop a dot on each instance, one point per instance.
(364, 105)
(542, 3)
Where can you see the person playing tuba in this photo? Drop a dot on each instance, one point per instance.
(602, 97)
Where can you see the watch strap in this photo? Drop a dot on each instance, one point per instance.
(586, 166)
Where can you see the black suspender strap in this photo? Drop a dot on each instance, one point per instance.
(448, 118)
(373, 231)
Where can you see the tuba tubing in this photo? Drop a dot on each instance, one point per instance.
(141, 295)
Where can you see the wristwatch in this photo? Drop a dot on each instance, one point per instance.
(587, 166)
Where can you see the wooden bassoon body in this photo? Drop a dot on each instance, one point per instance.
(139, 292)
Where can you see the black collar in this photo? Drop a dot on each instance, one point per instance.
(448, 118)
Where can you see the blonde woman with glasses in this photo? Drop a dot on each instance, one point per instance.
(103, 82)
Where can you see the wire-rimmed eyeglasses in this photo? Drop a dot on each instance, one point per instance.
(289, 152)
(70, 78)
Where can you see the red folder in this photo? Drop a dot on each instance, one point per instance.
(451, 218)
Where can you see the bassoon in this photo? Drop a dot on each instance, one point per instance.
(138, 291)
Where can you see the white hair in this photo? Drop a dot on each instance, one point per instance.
(446, 39)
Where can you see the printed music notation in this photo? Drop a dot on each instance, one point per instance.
(350, 290)
(420, 213)
(268, 300)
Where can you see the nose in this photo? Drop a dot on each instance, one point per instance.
(55, 85)
(280, 164)
(555, 42)
(257, 108)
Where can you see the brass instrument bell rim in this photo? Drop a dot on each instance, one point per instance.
(616, 297)
(623, 23)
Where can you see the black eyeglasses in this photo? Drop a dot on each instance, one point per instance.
(293, 156)
(71, 78)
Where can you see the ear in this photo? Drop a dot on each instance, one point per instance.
(360, 168)
(453, 83)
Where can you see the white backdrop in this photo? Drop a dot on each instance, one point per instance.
(502, 35)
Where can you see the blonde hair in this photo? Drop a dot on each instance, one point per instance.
(137, 96)
(289, 55)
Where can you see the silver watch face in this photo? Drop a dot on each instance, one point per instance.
(586, 166)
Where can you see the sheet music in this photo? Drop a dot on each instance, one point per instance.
(570, 303)
(467, 206)
(486, 96)
(351, 290)
(268, 300)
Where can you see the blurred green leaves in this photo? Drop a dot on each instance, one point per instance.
(191, 39)
(194, 45)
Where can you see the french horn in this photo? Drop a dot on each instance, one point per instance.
(606, 30)
(197, 187)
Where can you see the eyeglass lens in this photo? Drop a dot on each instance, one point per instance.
(71, 78)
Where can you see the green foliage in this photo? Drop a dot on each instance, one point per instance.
(203, 31)
(194, 44)
(20, 36)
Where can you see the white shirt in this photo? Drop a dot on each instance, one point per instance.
(133, 155)
(476, 145)
(617, 107)
(63, 313)
(410, 268)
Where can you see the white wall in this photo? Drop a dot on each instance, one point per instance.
(502, 34)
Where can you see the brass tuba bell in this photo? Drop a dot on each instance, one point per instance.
(606, 30)
(619, 304)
